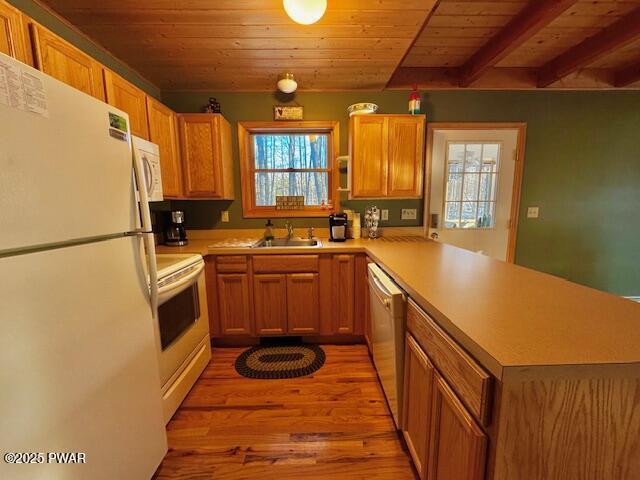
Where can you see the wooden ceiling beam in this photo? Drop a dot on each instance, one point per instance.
(628, 75)
(533, 18)
(620, 33)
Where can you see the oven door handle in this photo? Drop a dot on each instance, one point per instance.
(171, 290)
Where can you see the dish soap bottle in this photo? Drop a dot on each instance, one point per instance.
(268, 233)
(414, 101)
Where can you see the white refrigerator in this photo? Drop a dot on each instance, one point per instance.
(78, 338)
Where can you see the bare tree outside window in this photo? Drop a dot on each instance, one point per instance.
(291, 164)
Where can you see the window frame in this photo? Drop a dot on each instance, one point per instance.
(246, 130)
(446, 181)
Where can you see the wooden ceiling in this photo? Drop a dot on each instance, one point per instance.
(242, 45)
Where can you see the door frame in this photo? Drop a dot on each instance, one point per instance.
(521, 127)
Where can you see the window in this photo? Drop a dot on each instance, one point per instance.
(288, 159)
(472, 176)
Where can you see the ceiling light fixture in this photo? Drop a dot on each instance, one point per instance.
(287, 83)
(305, 12)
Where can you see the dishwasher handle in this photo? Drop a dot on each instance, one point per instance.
(386, 291)
(380, 291)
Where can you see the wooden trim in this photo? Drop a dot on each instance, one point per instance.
(533, 18)
(628, 76)
(501, 78)
(246, 129)
(517, 175)
(622, 32)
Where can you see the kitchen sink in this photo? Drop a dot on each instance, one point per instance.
(287, 242)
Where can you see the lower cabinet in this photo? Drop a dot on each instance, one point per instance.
(418, 385)
(270, 304)
(303, 303)
(234, 304)
(458, 445)
(444, 439)
(343, 293)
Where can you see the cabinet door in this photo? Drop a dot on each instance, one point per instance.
(201, 158)
(61, 60)
(457, 445)
(406, 156)
(270, 304)
(303, 303)
(343, 277)
(418, 394)
(234, 305)
(130, 99)
(163, 130)
(12, 41)
(369, 155)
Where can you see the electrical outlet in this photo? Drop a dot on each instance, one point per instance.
(408, 214)
(533, 212)
(225, 216)
(384, 215)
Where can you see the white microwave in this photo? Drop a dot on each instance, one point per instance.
(150, 155)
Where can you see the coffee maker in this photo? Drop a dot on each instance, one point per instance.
(175, 234)
(338, 227)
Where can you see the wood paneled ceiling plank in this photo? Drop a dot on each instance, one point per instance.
(628, 76)
(620, 33)
(432, 6)
(535, 16)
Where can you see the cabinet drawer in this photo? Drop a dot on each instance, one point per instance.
(285, 263)
(467, 378)
(231, 264)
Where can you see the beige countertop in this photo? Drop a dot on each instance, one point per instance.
(504, 315)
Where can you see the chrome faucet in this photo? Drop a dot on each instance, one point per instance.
(310, 231)
(288, 225)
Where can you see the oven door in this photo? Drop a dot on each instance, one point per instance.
(183, 324)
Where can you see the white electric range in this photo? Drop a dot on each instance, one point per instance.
(185, 348)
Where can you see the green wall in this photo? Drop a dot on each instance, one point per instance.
(582, 169)
(53, 23)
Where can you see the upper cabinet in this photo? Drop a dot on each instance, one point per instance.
(387, 155)
(130, 99)
(12, 38)
(206, 156)
(58, 58)
(163, 130)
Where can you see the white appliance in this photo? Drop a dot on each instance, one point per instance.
(78, 340)
(150, 156)
(388, 307)
(185, 348)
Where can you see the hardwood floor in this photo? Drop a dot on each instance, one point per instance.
(333, 424)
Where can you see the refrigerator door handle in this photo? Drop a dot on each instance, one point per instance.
(147, 229)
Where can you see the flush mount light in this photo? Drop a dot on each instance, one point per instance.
(305, 12)
(287, 83)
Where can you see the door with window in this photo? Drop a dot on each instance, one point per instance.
(473, 177)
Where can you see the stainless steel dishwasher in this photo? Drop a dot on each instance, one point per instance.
(388, 304)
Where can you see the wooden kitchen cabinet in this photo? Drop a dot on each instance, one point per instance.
(12, 37)
(130, 99)
(458, 446)
(270, 304)
(235, 311)
(387, 155)
(207, 164)
(406, 156)
(303, 303)
(343, 278)
(58, 58)
(418, 395)
(163, 130)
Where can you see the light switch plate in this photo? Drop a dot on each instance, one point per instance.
(384, 215)
(533, 212)
(224, 216)
(408, 214)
